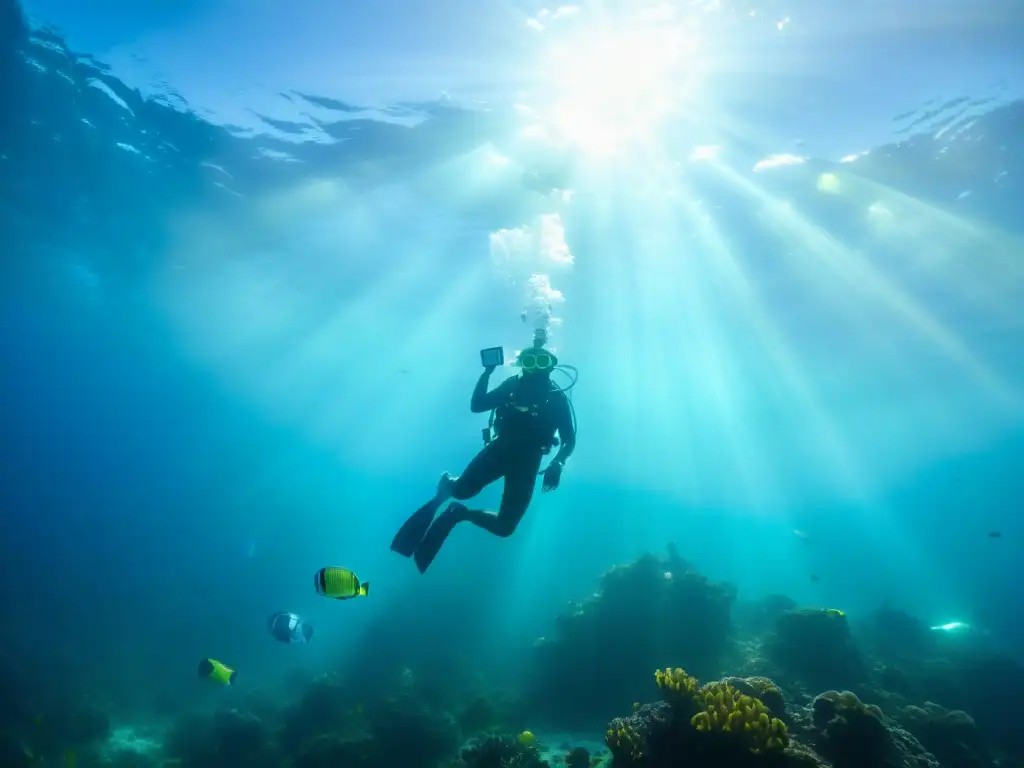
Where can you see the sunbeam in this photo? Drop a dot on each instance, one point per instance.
(974, 264)
(834, 270)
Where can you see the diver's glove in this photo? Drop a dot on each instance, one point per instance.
(552, 476)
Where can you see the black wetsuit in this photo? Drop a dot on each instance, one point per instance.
(529, 410)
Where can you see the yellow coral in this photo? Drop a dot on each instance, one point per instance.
(623, 739)
(676, 684)
(721, 707)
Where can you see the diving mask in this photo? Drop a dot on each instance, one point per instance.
(540, 360)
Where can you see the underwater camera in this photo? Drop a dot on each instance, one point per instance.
(492, 357)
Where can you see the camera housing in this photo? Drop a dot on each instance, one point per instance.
(492, 357)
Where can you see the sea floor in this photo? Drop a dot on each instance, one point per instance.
(553, 747)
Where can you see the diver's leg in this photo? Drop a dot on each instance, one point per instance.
(487, 467)
(479, 473)
(520, 480)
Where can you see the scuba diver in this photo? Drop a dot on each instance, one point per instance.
(526, 412)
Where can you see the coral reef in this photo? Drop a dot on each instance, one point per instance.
(486, 712)
(230, 737)
(410, 733)
(986, 684)
(949, 704)
(324, 725)
(478, 715)
(959, 672)
(951, 735)
(661, 735)
(761, 688)
(322, 708)
(649, 607)
(698, 725)
(722, 708)
(499, 752)
(51, 731)
(814, 647)
(329, 750)
(721, 723)
(632, 738)
(853, 734)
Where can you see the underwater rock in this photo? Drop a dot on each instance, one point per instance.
(389, 730)
(49, 730)
(263, 704)
(323, 707)
(604, 647)
(185, 740)
(577, 757)
(852, 734)
(990, 686)
(951, 735)
(230, 737)
(959, 675)
(505, 751)
(815, 648)
(410, 733)
(239, 738)
(484, 714)
(329, 750)
(640, 733)
(478, 715)
(897, 682)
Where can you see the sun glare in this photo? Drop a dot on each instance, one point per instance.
(610, 88)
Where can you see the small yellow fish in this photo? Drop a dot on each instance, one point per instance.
(527, 739)
(211, 669)
(339, 583)
(835, 612)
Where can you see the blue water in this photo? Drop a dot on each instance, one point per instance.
(250, 256)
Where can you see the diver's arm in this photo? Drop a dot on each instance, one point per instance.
(566, 431)
(483, 400)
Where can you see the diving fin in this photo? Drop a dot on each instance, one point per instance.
(414, 529)
(438, 533)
